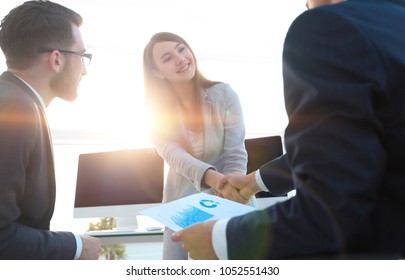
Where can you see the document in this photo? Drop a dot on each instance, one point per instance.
(201, 207)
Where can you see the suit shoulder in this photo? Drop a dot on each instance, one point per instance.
(327, 16)
(13, 98)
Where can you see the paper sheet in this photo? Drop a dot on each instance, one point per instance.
(195, 208)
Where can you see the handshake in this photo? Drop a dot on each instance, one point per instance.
(237, 187)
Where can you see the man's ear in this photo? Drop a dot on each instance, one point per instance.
(157, 74)
(56, 60)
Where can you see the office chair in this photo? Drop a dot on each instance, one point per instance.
(261, 150)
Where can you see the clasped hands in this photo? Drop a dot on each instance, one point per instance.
(237, 187)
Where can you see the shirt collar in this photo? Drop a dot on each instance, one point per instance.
(41, 100)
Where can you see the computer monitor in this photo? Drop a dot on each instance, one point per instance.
(261, 150)
(118, 184)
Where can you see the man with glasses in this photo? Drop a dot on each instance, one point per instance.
(46, 58)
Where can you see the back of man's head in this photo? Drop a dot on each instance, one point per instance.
(34, 25)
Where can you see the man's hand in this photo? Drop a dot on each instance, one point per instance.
(245, 184)
(226, 190)
(91, 248)
(197, 240)
(213, 178)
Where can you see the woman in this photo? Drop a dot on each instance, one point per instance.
(197, 125)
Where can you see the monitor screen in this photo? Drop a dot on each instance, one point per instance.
(118, 183)
(260, 151)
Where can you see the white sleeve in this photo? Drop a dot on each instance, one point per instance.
(219, 239)
(260, 182)
(79, 247)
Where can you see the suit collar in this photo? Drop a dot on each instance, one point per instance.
(11, 78)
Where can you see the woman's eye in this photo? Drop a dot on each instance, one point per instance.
(166, 59)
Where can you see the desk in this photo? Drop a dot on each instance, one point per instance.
(117, 237)
(145, 245)
(265, 202)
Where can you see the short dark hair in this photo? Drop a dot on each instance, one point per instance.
(32, 25)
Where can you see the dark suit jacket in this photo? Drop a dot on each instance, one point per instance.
(27, 178)
(276, 174)
(344, 92)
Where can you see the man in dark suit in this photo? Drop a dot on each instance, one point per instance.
(44, 53)
(345, 99)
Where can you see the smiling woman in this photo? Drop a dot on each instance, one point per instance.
(238, 42)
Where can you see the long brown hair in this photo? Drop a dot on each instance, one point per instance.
(162, 102)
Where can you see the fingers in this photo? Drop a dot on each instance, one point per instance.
(232, 179)
(246, 193)
(176, 237)
(219, 194)
(229, 192)
(245, 184)
(91, 248)
(196, 240)
(222, 182)
(228, 188)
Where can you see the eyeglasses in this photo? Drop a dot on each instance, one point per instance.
(86, 57)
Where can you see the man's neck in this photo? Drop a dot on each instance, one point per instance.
(34, 82)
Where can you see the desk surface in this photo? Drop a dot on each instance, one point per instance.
(128, 236)
(269, 201)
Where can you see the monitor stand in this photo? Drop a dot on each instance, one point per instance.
(126, 223)
(137, 223)
(130, 225)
